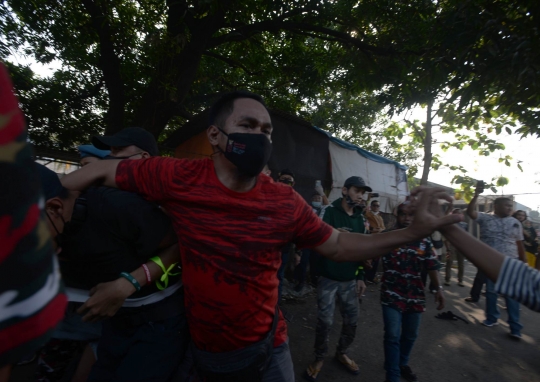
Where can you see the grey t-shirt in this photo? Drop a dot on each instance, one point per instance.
(500, 233)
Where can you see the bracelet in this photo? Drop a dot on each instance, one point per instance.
(133, 281)
(166, 272)
(147, 273)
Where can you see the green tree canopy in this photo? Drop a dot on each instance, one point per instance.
(156, 63)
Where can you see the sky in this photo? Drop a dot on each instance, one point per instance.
(525, 186)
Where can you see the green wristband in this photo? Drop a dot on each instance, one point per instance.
(166, 273)
(132, 280)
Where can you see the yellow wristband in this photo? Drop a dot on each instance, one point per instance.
(166, 272)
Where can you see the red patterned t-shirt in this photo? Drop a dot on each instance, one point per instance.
(230, 245)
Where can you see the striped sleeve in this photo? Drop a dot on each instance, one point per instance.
(519, 281)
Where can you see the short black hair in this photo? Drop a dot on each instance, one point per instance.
(501, 200)
(287, 172)
(374, 201)
(224, 106)
(518, 211)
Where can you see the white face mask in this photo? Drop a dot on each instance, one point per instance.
(316, 204)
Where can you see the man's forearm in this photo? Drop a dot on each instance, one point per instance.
(521, 251)
(471, 208)
(483, 256)
(97, 173)
(358, 247)
(168, 256)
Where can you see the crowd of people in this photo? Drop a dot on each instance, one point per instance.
(171, 267)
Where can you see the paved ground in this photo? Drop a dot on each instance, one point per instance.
(446, 351)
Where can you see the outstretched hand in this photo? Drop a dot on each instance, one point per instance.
(428, 214)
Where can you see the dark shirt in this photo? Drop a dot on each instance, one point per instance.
(120, 232)
(336, 217)
(402, 287)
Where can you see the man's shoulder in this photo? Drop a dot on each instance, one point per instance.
(109, 202)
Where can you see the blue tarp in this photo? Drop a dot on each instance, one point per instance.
(364, 153)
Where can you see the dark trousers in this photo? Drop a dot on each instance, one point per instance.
(300, 272)
(148, 351)
(281, 271)
(371, 273)
(479, 281)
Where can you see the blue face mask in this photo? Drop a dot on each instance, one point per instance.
(316, 204)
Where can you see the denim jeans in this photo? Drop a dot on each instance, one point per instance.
(493, 313)
(327, 291)
(478, 283)
(280, 368)
(400, 332)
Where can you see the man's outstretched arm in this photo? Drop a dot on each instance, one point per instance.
(357, 247)
(98, 173)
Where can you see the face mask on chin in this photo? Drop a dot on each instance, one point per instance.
(248, 152)
(316, 204)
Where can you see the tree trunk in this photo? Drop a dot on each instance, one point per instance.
(428, 156)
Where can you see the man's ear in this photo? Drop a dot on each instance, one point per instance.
(213, 134)
(55, 208)
(344, 191)
(145, 155)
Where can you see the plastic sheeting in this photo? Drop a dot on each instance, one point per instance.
(387, 178)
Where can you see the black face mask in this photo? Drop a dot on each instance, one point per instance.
(248, 152)
(352, 203)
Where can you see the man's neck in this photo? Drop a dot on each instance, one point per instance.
(348, 209)
(229, 176)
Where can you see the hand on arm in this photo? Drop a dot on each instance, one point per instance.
(106, 298)
(102, 172)
(439, 296)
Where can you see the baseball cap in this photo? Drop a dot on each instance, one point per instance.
(286, 172)
(50, 183)
(129, 136)
(356, 181)
(92, 151)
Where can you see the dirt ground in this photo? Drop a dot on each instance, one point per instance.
(446, 351)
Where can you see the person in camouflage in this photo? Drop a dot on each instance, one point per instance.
(32, 300)
(403, 299)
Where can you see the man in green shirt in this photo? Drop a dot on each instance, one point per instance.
(343, 279)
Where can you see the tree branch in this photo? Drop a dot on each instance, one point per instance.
(109, 63)
(247, 31)
(230, 62)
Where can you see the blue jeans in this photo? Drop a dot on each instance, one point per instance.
(280, 368)
(493, 313)
(400, 332)
(281, 270)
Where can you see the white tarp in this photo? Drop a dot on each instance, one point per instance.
(385, 178)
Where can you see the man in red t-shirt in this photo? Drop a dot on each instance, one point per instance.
(231, 226)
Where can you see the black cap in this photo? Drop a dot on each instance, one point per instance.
(129, 136)
(356, 181)
(50, 183)
(286, 172)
